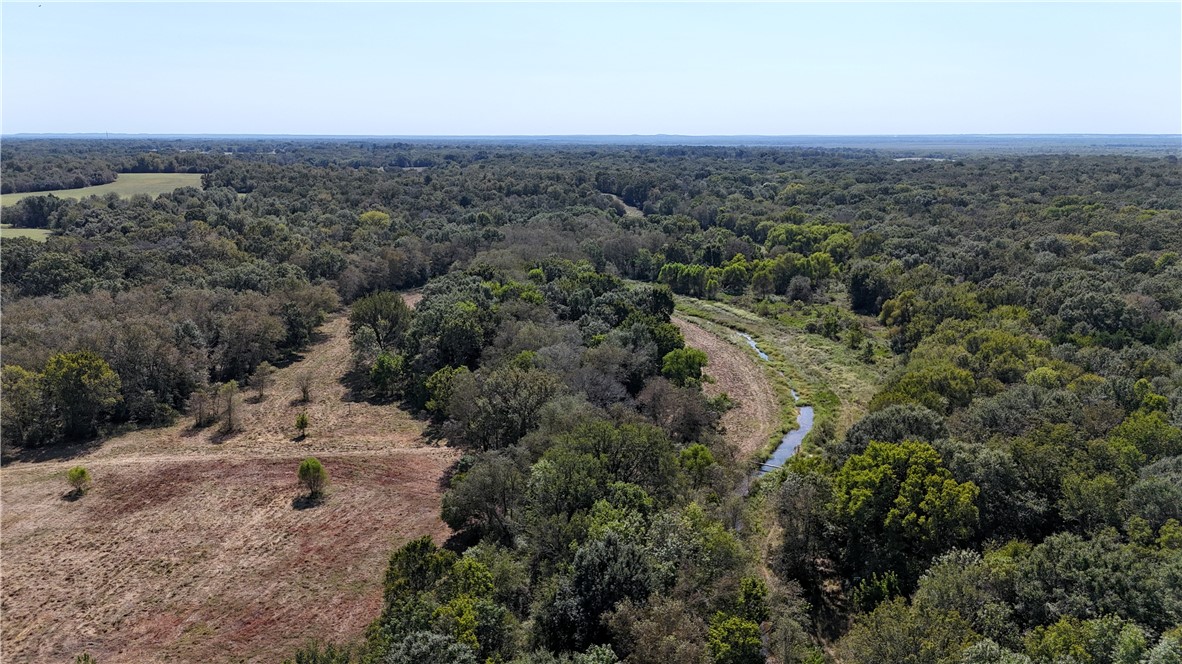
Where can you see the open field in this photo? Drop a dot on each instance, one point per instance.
(734, 370)
(127, 185)
(38, 234)
(190, 546)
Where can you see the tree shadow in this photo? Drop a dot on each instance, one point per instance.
(223, 436)
(306, 502)
(52, 452)
(356, 382)
(73, 495)
(462, 540)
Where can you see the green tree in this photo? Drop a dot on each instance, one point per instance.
(734, 640)
(22, 413)
(79, 479)
(80, 389)
(384, 314)
(683, 366)
(899, 499)
(386, 374)
(313, 476)
(695, 461)
(896, 632)
(301, 424)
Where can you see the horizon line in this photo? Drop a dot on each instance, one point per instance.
(585, 135)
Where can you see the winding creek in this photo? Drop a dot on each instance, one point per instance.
(791, 440)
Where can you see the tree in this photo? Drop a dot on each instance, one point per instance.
(203, 405)
(386, 374)
(695, 461)
(384, 314)
(80, 389)
(228, 404)
(79, 479)
(22, 416)
(304, 383)
(486, 497)
(430, 648)
(734, 640)
(896, 632)
(683, 366)
(313, 476)
(260, 380)
(899, 500)
(301, 423)
(868, 287)
(663, 630)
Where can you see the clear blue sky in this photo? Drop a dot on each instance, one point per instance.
(468, 69)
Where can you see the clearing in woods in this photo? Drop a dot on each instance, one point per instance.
(37, 234)
(126, 185)
(189, 546)
(734, 370)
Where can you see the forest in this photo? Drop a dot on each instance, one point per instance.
(1012, 492)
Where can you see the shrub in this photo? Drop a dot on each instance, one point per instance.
(302, 423)
(79, 478)
(313, 476)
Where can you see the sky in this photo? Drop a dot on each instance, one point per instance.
(592, 68)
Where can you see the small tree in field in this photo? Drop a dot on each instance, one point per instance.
(79, 479)
(313, 476)
(302, 424)
(260, 380)
(304, 382)
(229, 403)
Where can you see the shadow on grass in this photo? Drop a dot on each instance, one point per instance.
(51, 452)
(73, 495)
(305, 502)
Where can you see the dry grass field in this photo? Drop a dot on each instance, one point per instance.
(734, 370)
(192, 547)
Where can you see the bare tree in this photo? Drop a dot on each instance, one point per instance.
(304, 382)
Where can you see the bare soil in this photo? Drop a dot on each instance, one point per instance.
(750, 424)
(193, 546)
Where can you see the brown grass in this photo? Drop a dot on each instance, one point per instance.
(189, 546)
(756, 414)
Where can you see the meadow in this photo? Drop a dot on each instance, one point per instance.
(128, 185)
(38, 234)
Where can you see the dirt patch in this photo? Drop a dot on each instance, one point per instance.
(188, 547)
(755, 416)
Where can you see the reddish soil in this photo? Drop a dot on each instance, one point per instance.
(755, 417)
(192, 547)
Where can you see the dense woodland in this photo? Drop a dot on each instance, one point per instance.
(1013, 495)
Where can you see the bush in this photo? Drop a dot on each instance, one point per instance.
(302, 423)
(313, 476)
(79, 479)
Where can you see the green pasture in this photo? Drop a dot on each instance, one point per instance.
(127, 185)
(38, 234)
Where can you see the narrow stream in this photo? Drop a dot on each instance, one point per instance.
(791, 440)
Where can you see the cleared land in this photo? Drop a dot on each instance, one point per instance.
(127, 185)
(734, 369)
(189, 547)
(38, 234)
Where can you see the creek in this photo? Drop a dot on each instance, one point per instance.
(791, 440)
